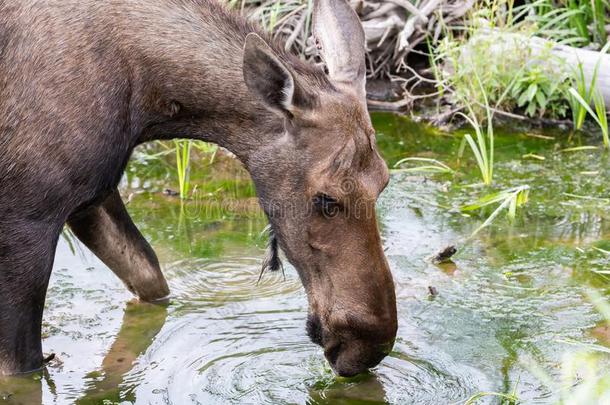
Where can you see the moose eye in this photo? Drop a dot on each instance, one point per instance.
(327, 205)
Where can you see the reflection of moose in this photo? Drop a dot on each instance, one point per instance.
(83, 82)
(138, 330)
(140, 325)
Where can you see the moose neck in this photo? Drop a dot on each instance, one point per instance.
(188, 76)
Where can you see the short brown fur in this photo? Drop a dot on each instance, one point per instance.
(83, 82)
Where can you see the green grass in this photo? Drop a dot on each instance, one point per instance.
(482, 148)
(183, 158)
(581, 94)
(494, 45)
(183, 150)
(599, 115)
(290, 19)
(573, 22)
(583, 377)
(432, 166)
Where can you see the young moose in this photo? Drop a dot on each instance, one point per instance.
(82, 82)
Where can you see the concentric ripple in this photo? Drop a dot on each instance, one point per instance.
(234, 279)
(253, 354)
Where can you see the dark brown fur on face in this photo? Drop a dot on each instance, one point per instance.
(83, 82)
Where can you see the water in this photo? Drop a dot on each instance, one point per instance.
(515, 292)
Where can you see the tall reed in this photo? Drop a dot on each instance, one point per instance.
(183, 158)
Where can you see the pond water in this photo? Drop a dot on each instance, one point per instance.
(514, 292)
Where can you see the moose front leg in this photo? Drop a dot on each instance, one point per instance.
(109, 232)
(27, 250)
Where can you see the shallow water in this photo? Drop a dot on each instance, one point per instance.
(514, 292)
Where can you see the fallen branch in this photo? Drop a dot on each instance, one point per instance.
(414, 22)
(399, 105)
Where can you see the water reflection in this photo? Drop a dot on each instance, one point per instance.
(141, 324)
(22, 390)
(362, 390)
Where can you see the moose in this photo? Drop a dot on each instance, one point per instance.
(83, 82)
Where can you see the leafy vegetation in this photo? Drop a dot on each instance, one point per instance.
(483, 147)
(494, 47)
(508, 200)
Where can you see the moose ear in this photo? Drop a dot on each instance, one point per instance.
(340, 37)
(267, 77)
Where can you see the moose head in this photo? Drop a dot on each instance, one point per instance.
(318, 181)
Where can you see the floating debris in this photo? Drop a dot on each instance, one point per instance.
(48, 358)
(444, 255)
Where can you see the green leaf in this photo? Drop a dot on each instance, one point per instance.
(531, 109)
(522, 99)
(531, 91)
(541, 99)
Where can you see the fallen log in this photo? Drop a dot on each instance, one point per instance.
(506, 44)
(589, 59)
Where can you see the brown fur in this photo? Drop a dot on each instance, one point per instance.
(83, 82)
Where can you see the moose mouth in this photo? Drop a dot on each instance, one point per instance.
(348, 357)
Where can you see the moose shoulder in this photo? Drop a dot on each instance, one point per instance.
(82, 82)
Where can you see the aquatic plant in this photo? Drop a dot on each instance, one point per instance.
(582, 92)
(183, 157)
(430, 166)
(509, 398)
(509, 199)
(599, 115)
(482, 148)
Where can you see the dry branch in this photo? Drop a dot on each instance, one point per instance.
(393, 28)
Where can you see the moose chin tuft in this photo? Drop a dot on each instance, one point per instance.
(314, 329)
